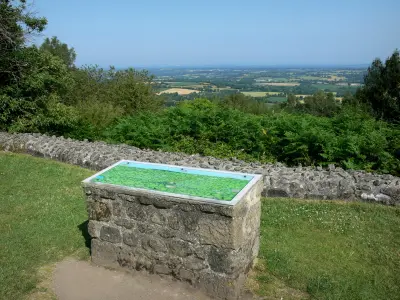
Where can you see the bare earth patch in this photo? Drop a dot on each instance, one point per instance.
(44, 290)
(73, 279)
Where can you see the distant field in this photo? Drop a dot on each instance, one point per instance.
(280, 83)
(275, 79)
(179, 91)
(306, 95)
(331, 87)
(226, 89)
(331, 78)
(302, 101)
(334, 77)
(277, 99)
(309, 77)
(259, 94)
(182, 83)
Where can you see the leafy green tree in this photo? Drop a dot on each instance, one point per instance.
(17, 24)
(103, 95)
(32, 82)
(244, 103)
(40, 88)
(321, 104)
(381, 90)
(292, 100)
(59, 49)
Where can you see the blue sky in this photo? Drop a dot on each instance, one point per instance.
(254, 32)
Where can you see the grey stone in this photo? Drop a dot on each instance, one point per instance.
(131, 239)
(136, 211)
(99, 211)
(384, 199)
(126, 223)
(276, 192)
(110, 234)
(157, 217)
(162, 269)
(194, 263)
(117, 209)
(146, 228)
(218, 260)
(154, 244)
(167, 233)
(104, 254)
(173, 221)
(179, 248)
(94, 228)
(190, 220)
(186, 275)
(393, 192)
(214, 230)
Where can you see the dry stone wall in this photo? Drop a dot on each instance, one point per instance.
(279, 181)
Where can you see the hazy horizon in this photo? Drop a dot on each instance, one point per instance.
(239, 66)
(224, 33)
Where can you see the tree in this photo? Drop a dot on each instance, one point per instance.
(321, 104)
(381, 90)
(59, 49)
(16, 25)
(292, 100)
(244, 103)
(32, 82)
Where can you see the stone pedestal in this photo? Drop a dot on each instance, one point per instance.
(210, 245)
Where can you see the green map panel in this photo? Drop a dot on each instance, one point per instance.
(219, 188)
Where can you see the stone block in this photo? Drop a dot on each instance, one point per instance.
(110, 234)
(104, 253)
(99, 211)
(131, 238)
(94, 228)
(210, 245)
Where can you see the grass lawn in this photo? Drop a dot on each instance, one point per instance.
(41, 207)
(309, 249)
(331, 250)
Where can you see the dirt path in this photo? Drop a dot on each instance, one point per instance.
(79, 280)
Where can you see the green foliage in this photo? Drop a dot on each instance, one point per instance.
(32, 82)
(17, 23)
(55, 118)
(351, 138)
(292, 101)
(195, 127)
(34, 102)
(381, 90)
(319, 104)
(59, 49)
(103, 95)
(245, 103)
